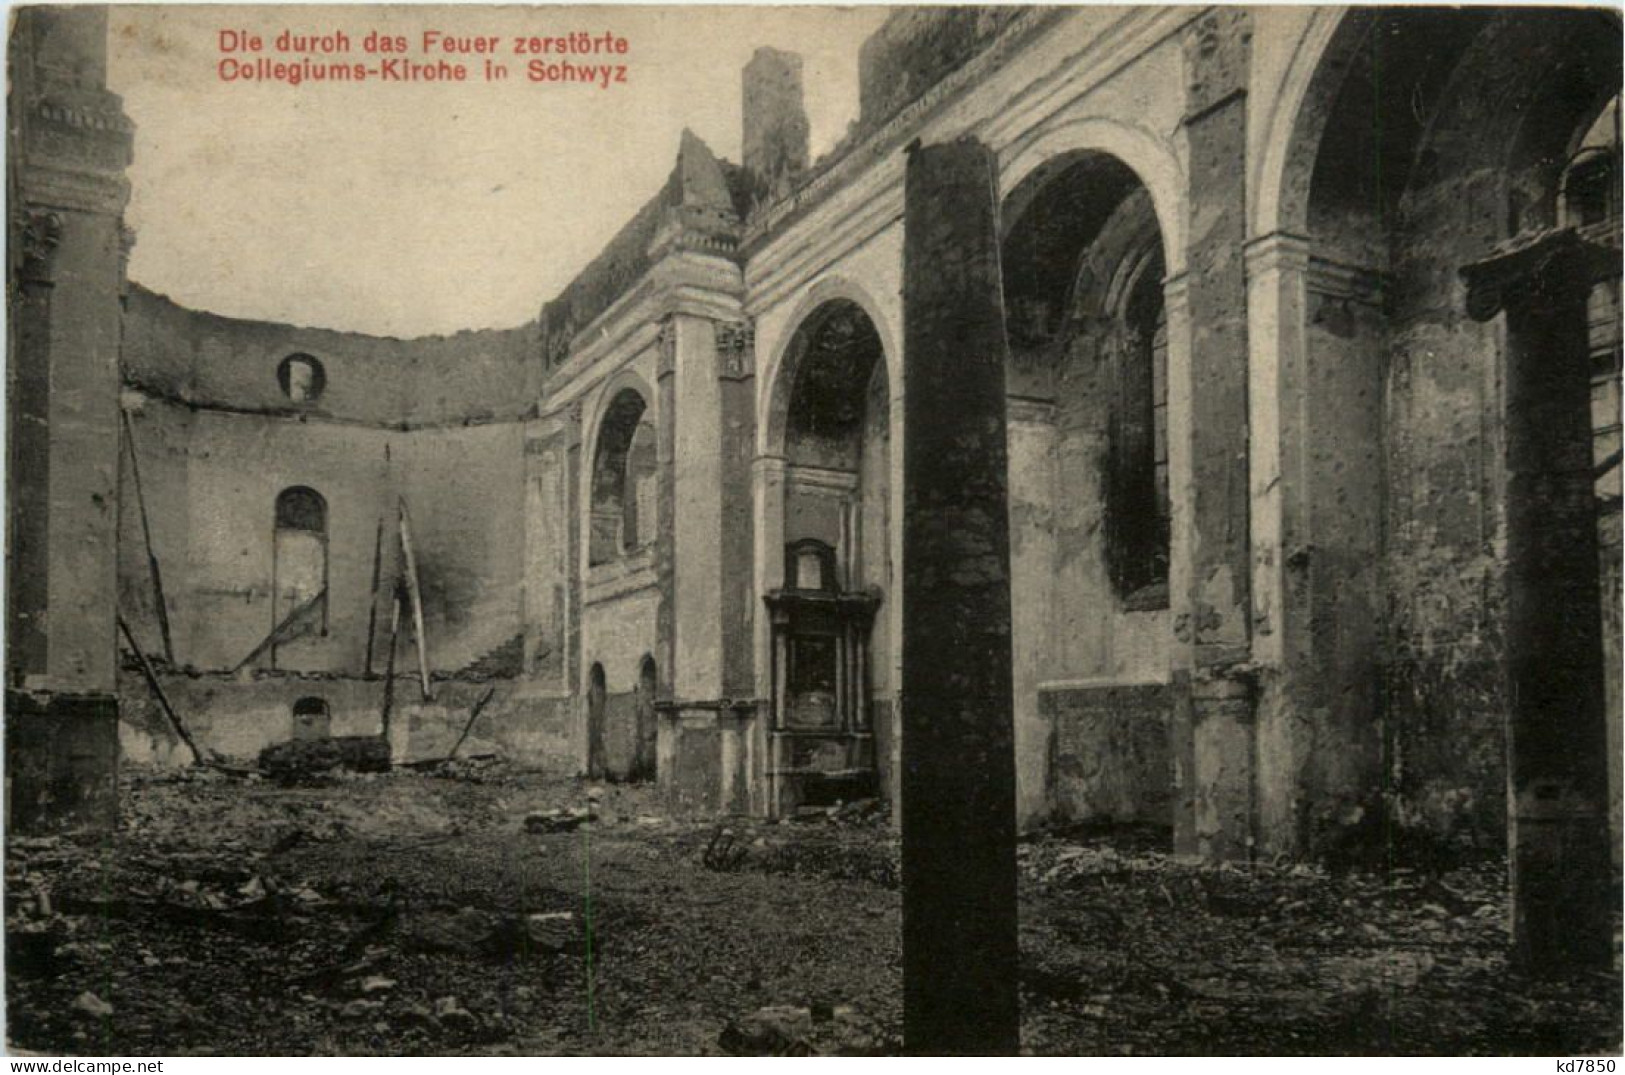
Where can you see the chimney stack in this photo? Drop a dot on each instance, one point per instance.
(775, 136)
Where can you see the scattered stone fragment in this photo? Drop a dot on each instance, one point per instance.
(560, 820)
(553, 931)
(778, 1030)
(452, 1015)
(91, 1004)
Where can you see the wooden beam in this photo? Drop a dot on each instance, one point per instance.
(372, 608)
(479, 706)
(389, 661)
(158, 692)
(417, 597)
(146, 533)
(282, 632)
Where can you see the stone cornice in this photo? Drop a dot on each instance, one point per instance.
(683, 282)
(74, 147)
(312, 416)
(803, 476)
(1029, 411)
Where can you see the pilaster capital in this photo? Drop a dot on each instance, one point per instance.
(39, 233)
(666, 344)
(736, 349)
(1278, 252)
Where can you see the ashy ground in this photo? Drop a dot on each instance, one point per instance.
(423, 913)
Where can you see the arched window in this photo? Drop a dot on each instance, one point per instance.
(644, 755)
(301, 378)
(1084, 279)
(638, 518)
(1137, 503)
(597, 699)
(623, 481)
(299, 564)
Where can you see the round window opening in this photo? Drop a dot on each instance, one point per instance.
(302, 378)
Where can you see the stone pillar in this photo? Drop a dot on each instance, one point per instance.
(1032, 564)
(712, 582)
(1557, 730)
(69, 144)
(1277, 275)
(1315, 416)
(1213, 721)
(714, 432)
(958, 781)
(767, 479)
(697, 486)
(736, 429)
(546, 517)
(575, 676)
(666, 497)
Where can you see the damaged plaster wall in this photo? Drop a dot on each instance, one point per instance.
(436, 421)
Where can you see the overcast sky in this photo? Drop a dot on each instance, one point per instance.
(411, 209)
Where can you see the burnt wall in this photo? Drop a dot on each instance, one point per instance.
(214, 440)
(1109, 757)
(916, 48)
(240, 718)
(203, 359)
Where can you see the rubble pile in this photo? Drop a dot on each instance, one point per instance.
(402, 912)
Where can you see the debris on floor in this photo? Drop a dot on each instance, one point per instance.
(400, 912)
(302, 759)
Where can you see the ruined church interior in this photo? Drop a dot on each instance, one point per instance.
(1121, 552)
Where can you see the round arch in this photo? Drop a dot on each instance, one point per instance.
(781, 371)
(1291, 137)
(1150, 158)
(605, 397)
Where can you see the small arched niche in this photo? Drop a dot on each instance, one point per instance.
(312, 719)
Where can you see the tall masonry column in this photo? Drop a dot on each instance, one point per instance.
(69, 144)
(713, 674)
(1213, 691)
(959, 776)
(1557, 755)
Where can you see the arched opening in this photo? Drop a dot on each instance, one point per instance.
(837, 444)
(643, 758)
(301, 378)
(837, 487)
(312, 719)
(299, 567)
(1083, 256)
(1083, 263)
(623, 480)
(1434, 142)
(597, 698)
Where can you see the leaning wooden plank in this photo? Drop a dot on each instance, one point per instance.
(158, 692)
(146, 533)
(417, 597)
(372, 608)
(282, 632)
(472, 717)
(389, 661)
